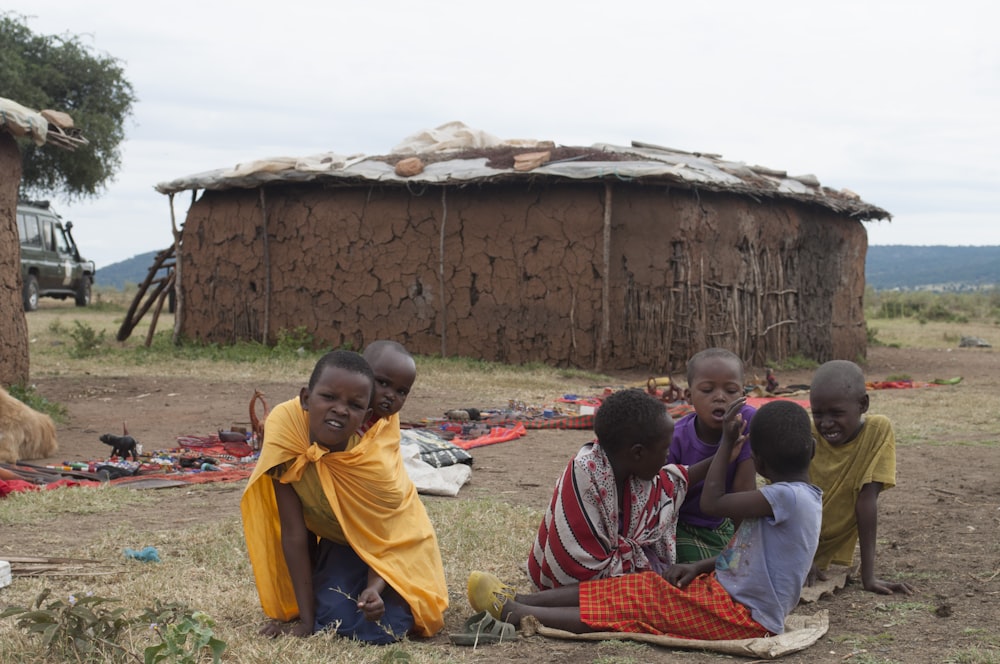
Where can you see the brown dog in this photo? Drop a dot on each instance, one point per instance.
(25, 433)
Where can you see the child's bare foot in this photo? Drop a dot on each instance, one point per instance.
(816, 574)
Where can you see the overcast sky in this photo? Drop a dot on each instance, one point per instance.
(897, 101)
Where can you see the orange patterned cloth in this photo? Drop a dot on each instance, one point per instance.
(647, 603)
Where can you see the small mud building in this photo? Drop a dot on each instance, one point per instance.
(459, 244)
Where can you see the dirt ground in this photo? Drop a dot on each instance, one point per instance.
(938, 529)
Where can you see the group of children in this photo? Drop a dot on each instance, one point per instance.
(655, 527)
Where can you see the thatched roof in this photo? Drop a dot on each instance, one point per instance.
(456, 155)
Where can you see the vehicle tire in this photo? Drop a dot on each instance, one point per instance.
(83, 293)
(31, 293)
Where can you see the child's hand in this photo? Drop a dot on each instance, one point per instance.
(734, 429)
(681, 574)
(888, 587)
(371, 604)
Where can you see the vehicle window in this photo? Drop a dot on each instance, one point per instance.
(47, 238)
(29, 230)
(61, 245)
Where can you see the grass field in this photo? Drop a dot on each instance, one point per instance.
(205, 566)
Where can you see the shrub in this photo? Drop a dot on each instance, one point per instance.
(86, 340)
(84, 629)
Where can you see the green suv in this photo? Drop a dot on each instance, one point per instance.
(51, 265)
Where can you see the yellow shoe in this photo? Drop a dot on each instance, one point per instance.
(488, 593)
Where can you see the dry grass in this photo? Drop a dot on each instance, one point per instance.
(52, 327)
(930, 415)
(911, 333)
(205, 565)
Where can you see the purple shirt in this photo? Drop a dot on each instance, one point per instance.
(687, 449)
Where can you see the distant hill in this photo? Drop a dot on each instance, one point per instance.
(133, 271)
(932, 268)
(887, 267)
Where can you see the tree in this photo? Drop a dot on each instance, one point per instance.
(63, 74)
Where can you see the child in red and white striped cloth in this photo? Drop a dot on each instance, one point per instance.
(745, 592)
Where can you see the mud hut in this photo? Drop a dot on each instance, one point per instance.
(460, 244)
(45, 127)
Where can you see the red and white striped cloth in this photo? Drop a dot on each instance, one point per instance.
(580, 537)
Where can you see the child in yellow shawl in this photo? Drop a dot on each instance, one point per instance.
(336, 533)
(855, 460)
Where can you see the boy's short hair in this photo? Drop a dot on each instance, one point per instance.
(342, 359)
(375, 349)
(841, 375)
(628, 417)
(710, 353)
(781, 436)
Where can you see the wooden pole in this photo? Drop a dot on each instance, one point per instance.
(606, 281)
(177, 285)
(444, 305)
(265, 333)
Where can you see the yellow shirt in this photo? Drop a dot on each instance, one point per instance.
(370, 496)
(841, 471)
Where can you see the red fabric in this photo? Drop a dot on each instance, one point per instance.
(582, 536)
(14, 486)
(8, 487)
(563, 422)
(212, 446)
(897, 384)
(647, 603)
(498, 434)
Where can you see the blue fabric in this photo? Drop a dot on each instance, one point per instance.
(339, 576)
(148, 554)
(767, 561)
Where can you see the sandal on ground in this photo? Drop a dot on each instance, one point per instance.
(483, 629)
(488, 593)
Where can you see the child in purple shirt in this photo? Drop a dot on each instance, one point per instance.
(715, 380)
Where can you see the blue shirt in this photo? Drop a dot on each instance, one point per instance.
(766, 564)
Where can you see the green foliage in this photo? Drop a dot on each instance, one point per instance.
(927, 306)
(78, 629)
(84, 629)
(871, 334)
(64, 74)
(86, 340)
(292, 341)
(184, 636)
(28, 395)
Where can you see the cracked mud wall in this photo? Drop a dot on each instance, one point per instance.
(14, 359)
(522, 272)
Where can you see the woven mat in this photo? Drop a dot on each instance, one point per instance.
(801, 631)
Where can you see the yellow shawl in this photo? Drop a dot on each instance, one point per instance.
(373, 499)
(841, 471)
